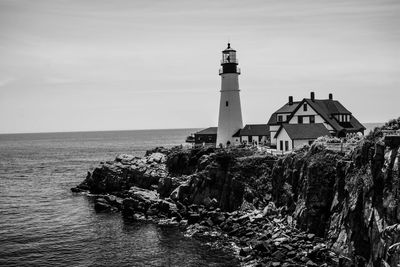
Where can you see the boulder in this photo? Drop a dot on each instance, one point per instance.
(101, 205)
(166, 185)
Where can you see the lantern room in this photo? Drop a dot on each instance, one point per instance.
(229, 61)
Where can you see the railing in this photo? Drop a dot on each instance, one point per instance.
(221, 71)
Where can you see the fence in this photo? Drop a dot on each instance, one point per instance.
(391, 132)
(342, 147)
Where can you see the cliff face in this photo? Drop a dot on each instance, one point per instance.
(352, 200)
(228, 179)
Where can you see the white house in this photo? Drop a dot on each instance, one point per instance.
(291, 136)
(336, 119)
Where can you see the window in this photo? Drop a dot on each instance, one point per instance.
(281, 145)
(226, 103)
(300, 119)
(286, 145)
(280, 118)
(305, 107)
(312, 119)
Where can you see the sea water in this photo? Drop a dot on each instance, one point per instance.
(42, 223)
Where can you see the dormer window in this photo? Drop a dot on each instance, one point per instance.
(280, 118)
(343, 117)
(305, 107)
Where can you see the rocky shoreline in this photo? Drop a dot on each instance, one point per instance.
(313, 207)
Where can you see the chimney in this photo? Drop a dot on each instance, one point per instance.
(330, 96)
(290, 100)
(312, 96)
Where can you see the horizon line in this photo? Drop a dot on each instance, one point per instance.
(122, 130)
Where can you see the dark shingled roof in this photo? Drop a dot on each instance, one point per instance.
(254, 130)
(304, 131)
(326, 108)
(284, 109)
(210, 130)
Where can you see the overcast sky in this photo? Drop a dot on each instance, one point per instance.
(70, 65)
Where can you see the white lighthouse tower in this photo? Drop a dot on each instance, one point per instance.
(230, 112)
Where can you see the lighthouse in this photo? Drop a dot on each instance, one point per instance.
(230, 112)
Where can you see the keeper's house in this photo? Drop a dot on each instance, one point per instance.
(298, 123)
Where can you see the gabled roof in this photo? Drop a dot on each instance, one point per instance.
(327, 108)
(210, 130)
(284, 109)
(254, 130)
(303, 131)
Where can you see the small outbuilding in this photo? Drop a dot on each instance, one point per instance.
(253, 134)
(206, 137)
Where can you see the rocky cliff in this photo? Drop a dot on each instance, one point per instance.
(350, 200)
(269, 206)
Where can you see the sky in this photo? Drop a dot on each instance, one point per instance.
(85, 65)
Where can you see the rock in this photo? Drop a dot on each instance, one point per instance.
(156, 157)
(218, 218)
(310, 236)
(214, 203)
(262, 247)
(207, 202)
(77, 190)
(281, 240)
(101, 205)
(270, 209)
(193, 218)
(278, 255)
(348, 199)
(126, 171)
(244, 251)
(124, 158)
(208, 222)
(311, 263)
(168, 222)
(143, 195)
(165, 186)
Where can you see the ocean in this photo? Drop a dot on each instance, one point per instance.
(42, 223)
